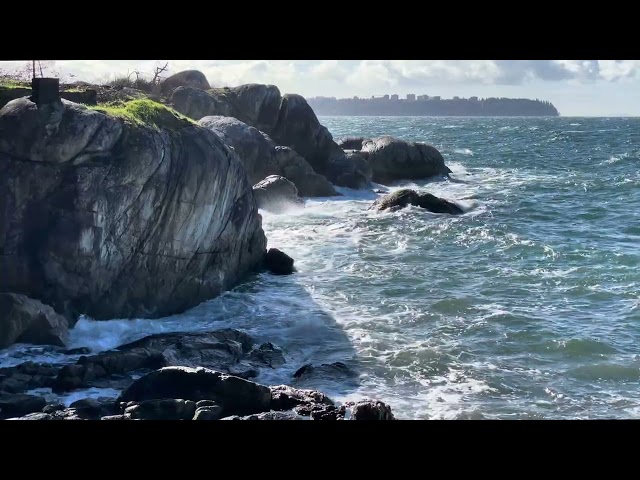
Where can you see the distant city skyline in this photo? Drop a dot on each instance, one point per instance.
(575, 87)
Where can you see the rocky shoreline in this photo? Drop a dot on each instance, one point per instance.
(146, 207)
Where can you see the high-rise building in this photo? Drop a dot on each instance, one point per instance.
(411, 97)
(394, 97)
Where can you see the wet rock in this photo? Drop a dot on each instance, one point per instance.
(331, 370)
(226, 350)
(162, 409)
(327, 412)
(268, 354)
(295, 168)
(370, 410)
(351, 143)
(15, 405)
(235, 395)
(349, 170)
(278, 262)
(25, 320)
(95, 408)
(276, 193)
(210, 412)
(284, 397)
(401, 198)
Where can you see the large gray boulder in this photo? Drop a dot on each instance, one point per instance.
(114, 218)
(393, 159)
(262, 157)
(256, 152)
(350, 170)
(25, 320)
(288, 119)
(186, 78)
(276, 193)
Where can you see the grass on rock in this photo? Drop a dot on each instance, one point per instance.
(144, 111)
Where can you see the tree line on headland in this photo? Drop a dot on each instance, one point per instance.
(432, 106)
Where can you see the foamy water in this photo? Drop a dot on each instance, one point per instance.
(525, 306)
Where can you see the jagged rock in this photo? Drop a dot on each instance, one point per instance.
(120, 219)
(393, 159)
(402, 198)
(224, 350)
(162, 409)
(27, 376)
(116, 417)
(276, 193)
(278, 263)
(267, 354)
(53, 407)
(34, 416)
(351, 143)
(15, 405)
(235, 395)
(284, 397)
(186, 78)
(25, 320)
(371, 410)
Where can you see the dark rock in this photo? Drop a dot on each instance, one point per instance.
(195, 103)
(162, 409)
(393, 159)
(328, 412)
(278, 263)
(371, 410)
(211, 412)
(206, 403)
(268, 354)
(284, 397)
(235, 395)
(225, 350)
(118, 219)
(25, 320)
(330, 370)
(186, 78)
(276, 193)
(239, 371)
(402, 198)
(77, 351)
(88, 97)
(15, 405)
(93, 408)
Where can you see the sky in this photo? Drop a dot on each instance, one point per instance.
(575, 87)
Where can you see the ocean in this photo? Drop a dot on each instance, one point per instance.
(527, 306)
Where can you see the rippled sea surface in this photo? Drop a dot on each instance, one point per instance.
(526, 306)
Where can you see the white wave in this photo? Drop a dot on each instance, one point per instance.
(464, 151)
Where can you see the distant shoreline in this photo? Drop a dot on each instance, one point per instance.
(433, 107)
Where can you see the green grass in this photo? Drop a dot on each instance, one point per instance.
(14, 84)
(145, 112)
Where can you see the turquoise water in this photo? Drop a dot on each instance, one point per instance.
(526, 306)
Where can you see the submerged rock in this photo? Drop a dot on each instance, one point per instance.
(276, 193)
(402, 198)
(116, 219)
(278, 262)
(331, 370)
(25, 320)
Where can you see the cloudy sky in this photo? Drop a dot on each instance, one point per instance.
(575, 87)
